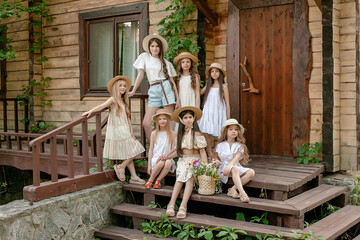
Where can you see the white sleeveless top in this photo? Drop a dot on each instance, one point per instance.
(186, 92)
(161, 147)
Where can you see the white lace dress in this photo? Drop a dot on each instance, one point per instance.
(186, 92)
(161, 147)
(226, 154)
(119, 144)
(184, 164)
(214, 114)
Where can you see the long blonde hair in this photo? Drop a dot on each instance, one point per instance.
(167, 128)
(121, 99)
(240, 139)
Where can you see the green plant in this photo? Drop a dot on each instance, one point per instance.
(206, 233)
(106, 164)
(161, 228)
(228, 233)
(184, 232)
(153, 205)
(355, 195)
(325, 210)
(262, 219)
(309, 153)
(40, 126)
(173, 29)
(140, 162)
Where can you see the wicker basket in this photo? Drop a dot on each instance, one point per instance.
(206, 185)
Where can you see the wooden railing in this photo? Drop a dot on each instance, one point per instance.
(16, 113)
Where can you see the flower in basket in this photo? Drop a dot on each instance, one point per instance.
(200, 168)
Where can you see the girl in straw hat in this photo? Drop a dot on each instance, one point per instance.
(187, 80)
(160, 73)
(190, 147)
(162, 149)
(120, 142)
(232, 151)
(216, 107)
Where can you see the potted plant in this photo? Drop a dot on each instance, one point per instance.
(206, 174)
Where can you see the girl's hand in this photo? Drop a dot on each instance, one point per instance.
(87, 114)
(177, 105)
(131, 93)
(133, 136)
(159, 159)
(227, 169)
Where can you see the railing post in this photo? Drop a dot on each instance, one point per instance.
(36, 165)
(5, 114)
(70, 152)
(16, 115)
(26, 117)
(99, 143)
(53, 154)
(85, 147)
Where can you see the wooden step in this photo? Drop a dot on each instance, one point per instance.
(142, 212)
(120, 233)
(337, 223)
(357, 237)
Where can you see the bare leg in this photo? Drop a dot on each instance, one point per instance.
(147, 122)
(175, 193)
(155, 171)
(245, 178)
(208, 145)
(165, 170)
(170, 109)
(131, 167)
(236, 179)
(187, 192)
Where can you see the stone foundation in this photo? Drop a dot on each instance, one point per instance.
(71, 216)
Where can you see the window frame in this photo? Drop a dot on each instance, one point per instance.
(139, 11)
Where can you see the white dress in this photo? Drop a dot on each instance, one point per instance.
(186, 92)
(226, 154)
(214, 114)
(119, 144)
(161, 147)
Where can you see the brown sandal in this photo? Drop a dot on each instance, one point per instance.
(137, 180)
(244, 198)
(232, 192)
(170, 211)
(120, 172)
(181, 213)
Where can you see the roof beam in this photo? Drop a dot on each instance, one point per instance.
(209, 14)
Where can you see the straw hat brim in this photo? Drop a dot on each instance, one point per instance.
(185, 55)
(176, 113)
(229, 122)
(151, 36)
(112, 81)
(218, 67)
(160, 113)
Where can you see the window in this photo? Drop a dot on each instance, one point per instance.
(110, 41)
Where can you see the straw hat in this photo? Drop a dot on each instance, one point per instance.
(185, 55)
(232, 121)
(147, 39)
(161, 111)
(218, 66)
(112, 81)
(176, 113)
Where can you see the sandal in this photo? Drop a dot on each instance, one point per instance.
(157, 184)
(232, 192)
(244, 198)
(148, 184)
(181, 213)
(170, 211)
(137, 181)
(120, 172)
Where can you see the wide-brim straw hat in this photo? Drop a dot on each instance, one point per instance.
(112, 81)
(218, 66)
(233, 121)
(147, 39)
(161, 112)
(176, 113)
(185, 55)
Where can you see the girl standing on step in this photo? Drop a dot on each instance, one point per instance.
(160, 73)
(162, 148)
(190, 147)
(216, 108)
(187, 80)
(232, 151)
(120, 142)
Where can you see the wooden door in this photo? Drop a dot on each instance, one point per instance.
(275, 38)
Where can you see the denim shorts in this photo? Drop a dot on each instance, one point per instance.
(157, 97)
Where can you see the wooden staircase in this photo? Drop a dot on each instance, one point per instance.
(293, 196)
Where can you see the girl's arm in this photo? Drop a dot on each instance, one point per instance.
(203, 155)
(232, 163)
(100, 107)
(138, 80)
(177, 105)
(131, 130)
(197, 91)
(227, 101)
(203, 90)
(172, 153)
(150, 154)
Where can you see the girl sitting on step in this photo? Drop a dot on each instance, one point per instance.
(232, 151)
(162, 148)
(120, 142)
(190, 147)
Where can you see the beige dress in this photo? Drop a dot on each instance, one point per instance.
(184, 164)
(119, 144)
